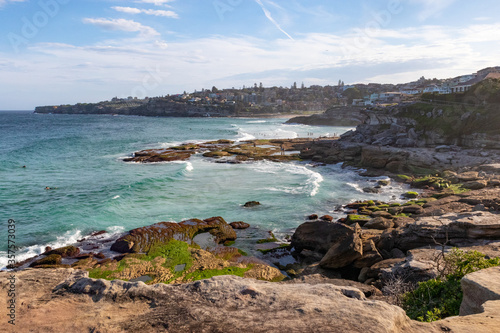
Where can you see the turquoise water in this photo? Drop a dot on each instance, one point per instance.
(80, 156)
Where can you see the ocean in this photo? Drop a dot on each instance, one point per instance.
(80, 158)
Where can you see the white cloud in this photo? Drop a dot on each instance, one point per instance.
(4, 2)
(155, 2)
(117, 68)
(130, 10)
(123, 25)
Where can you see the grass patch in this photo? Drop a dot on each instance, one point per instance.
(207, 274)
(457, 188)
(99, 273)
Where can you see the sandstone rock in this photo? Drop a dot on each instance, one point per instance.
(343, 252)
(66, 300)
(379, 223)
(413, 209)
(468, 176)
(452, 227)
(475, 185)
(381, 213)
(239, 225)
(419, 265)
(143, 239)
(320, 236)
(479, 287)
(315, 279)
(369, 257)
(402, 221)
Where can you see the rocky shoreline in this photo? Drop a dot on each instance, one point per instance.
(341, 267)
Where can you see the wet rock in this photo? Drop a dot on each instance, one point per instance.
(160, 155)
(371, 190)
(312, 217)
(327, 218)
(239, 225)
(143, 239)
(50, 260)
(67, 251)
(251, 204)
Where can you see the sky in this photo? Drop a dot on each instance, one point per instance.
(56, 52)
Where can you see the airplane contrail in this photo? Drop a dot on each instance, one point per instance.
(270, 18)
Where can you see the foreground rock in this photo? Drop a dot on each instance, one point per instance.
(479, 287)
(75, 303)
(66, 300)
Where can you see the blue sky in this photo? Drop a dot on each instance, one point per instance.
(69, 51)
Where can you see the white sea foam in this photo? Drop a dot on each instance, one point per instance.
(244, 136)
(179, 143)
(70, 237)
(355, 186)
(257, 122)
(115, 197)
(311, 185)
(188, 165)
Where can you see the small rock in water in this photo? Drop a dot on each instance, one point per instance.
(371, 190)
(326, 218)
(239, 225)
(312, 217)
(251, 204)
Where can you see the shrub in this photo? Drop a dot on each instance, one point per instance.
(440, 298)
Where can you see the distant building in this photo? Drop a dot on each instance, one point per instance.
(463, 87)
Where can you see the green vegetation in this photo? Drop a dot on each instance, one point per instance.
(404, 177)
(207, 274)
(353, 218)
(243, 253)
(103, 273)
(411, 195)
(282, 246)
(175, 252)
(440, 298)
